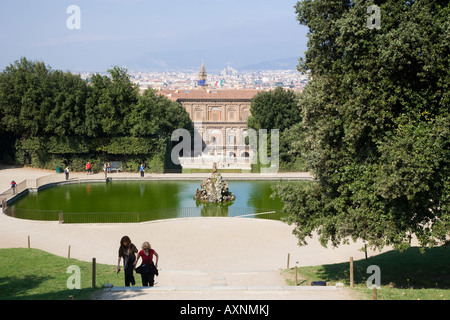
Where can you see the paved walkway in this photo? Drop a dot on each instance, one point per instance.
(228, 293)
(222, 254)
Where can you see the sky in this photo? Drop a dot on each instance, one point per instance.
(149, 34)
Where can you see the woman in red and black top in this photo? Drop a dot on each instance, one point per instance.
(147, 254)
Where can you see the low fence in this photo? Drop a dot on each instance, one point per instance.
(136, 217)
(31, 184)
(20, 187)
(32, 214)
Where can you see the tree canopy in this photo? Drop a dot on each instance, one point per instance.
(277, 109)
(375, 127)
(49, 117)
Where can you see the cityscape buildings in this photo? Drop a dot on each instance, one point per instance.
(227, 78)
(218, 104)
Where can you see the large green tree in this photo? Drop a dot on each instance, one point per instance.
(375, 127)
(277, 109)
(49, 117)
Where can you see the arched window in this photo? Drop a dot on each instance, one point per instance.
(214, 114)
(231, 114)
(216, 137)
(244, 115)
(198, 114)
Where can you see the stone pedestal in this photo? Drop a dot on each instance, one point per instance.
(214, 189)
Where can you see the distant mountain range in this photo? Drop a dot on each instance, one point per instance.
(191, 61)
(278, 64)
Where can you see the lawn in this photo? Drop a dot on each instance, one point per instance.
(410, 275)
(38, 275)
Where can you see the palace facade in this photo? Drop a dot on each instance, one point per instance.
(220, 118)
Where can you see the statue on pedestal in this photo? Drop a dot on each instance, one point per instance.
(214, 189)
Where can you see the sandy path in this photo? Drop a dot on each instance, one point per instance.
(199, 251)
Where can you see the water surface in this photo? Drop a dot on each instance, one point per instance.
(149, 200)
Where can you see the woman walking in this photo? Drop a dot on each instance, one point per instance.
(128, 252)
(148, 269)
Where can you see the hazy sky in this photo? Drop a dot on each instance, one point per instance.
(122, 32)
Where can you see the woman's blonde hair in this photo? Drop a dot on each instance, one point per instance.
(146, 246)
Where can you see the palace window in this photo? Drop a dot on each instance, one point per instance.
(214, 114)
(244, 115)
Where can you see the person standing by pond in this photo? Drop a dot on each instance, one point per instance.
(128, 252)
(88, 167)
(147, 269)
(13, 187)
(66, 171)
(142, 169)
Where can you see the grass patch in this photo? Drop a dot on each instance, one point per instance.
(408, 275)
(31, 274)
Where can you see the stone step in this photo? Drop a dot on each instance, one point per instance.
(222, 288)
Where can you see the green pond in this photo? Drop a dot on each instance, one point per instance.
(137, 201)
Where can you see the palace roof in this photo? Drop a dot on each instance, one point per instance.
(210, 94)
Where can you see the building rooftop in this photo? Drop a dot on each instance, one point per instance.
(210, 94)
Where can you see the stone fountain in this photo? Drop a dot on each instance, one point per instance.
(214, 189)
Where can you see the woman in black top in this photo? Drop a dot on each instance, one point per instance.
(129, 253)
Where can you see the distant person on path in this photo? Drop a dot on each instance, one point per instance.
(148, 269)
(142, 169)
(88, 167)
(108, 167)
(66, 171)
(128, 252)
(13, 186)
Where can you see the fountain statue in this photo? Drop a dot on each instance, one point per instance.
(214, 189)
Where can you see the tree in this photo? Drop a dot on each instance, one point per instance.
(66, 115)
(277, 109)
(156, 114)
(375, 124)
(110, 104)
(50, 117)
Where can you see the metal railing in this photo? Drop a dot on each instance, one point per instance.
(32, 214)
(143, 216)
(31, 184)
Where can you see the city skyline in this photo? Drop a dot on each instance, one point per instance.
(152, 36)
(227, 79)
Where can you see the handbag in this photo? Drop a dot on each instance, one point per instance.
(155, 270)
(143, 269)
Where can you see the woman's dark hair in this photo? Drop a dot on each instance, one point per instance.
(125, 239)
